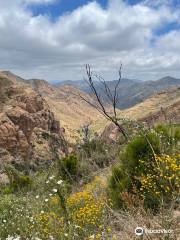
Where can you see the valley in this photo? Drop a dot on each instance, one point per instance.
(71, 181)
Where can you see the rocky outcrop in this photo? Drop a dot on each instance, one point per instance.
(110, 134)
(29, 133)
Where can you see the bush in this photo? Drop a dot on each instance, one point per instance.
(170, 137)
(161, 183)
(94, 145)
(139, 148)
(145, 172)
(119, 181)
(68, 167)
(17, 180)
(97, 154)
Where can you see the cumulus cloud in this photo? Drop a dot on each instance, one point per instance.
(34, 46)
(169, 41)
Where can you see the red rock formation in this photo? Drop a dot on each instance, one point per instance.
(29, 131)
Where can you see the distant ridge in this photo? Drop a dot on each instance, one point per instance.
(72, 111)
(162, 107)
(130, 91)
(12, 77)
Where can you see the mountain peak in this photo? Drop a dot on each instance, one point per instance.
(41, 86)
(12, 77)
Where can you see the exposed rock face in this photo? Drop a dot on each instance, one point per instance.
(110, 134)
(68, 106)
(29, 132)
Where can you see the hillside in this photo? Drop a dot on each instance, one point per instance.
(30, 135)
(11, 77)
(73, 112)
(130, 91)
(160, 107)
(50, 189)
(68, 107)
(153, 104)
(64, 101)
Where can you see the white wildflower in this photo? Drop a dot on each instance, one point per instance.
(60, 182)
(76, 226)
(51, 177)
(55, 190)
(13, 238)
(92, 237)
(46, 200)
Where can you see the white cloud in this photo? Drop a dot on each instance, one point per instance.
(169, 41)
(157, 3)
(36, 47)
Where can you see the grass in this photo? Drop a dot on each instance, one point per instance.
(56, 207)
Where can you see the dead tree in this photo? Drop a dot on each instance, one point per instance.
(111, 95)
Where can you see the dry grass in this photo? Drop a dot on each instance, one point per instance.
(152, 104)
(141, 110)
(125, 222)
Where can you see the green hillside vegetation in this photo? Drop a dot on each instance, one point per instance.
(99, 191)
(88, 188)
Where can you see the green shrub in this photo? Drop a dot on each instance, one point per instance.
(95, 145)
(140, 148)
(118, 182)
(139, 161)
(17, 180)
(68, 167)
(170, 137)
(97, 154)
(177, 134)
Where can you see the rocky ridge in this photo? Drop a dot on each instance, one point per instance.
(29, 133)
(68, 106)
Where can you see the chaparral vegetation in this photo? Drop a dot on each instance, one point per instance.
(99, 191)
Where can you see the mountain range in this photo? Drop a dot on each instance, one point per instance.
(130, 91)
(36, 117)
(68, 107)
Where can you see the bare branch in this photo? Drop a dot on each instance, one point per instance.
(107, 90)
(111, 95)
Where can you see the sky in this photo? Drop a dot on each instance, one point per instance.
(54, 39)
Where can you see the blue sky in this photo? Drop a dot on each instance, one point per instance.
(53, 39)
(61, 7)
